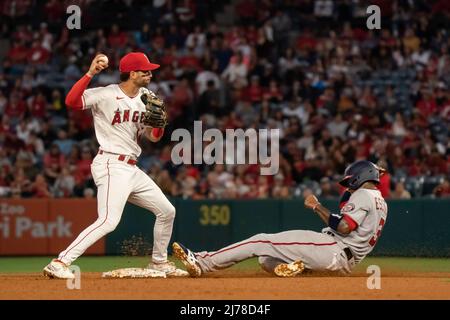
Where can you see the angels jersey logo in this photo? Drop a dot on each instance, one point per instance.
(119, 118)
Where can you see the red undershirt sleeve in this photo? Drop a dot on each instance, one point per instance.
(74, 98)
(351, 223)
(157, 132)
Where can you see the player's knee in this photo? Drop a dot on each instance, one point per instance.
(262, 260)
(110, 225)
(166, 214)
(265, 265)
(170, 213)
(261, 236)
(268, 264)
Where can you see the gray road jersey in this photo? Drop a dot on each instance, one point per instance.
(369, 210)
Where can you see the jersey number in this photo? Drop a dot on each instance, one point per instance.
(374, 239)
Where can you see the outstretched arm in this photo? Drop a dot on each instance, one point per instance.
(74, 98)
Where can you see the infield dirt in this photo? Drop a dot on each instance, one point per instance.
(230, 284)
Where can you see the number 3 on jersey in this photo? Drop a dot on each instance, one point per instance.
(380, 204)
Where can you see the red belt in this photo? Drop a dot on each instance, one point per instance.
(121, 157)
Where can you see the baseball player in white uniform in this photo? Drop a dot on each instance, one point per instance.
(118, 113)
(349, 237)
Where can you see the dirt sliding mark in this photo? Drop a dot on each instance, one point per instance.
(229, 285)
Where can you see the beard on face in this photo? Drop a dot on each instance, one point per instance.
(142, 82)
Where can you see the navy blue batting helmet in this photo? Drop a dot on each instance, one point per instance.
(359, 172)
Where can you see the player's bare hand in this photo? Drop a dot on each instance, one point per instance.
(311, 201)
(382, 171)
(99, 63)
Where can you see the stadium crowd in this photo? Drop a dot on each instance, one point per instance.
(337, 91)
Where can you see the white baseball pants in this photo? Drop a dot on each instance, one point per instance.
(119, 182)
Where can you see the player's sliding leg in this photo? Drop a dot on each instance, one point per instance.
(314, 250)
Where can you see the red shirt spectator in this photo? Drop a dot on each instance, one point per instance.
(82, 118)
(246, 9)
(385, 185)
(40, 188)
(182, 96)
(192, 171)
(233, 122)
(117, 38)
(38, 106)
(15, 8)
(427, 106)
(415, 168)
(83, 171)
(18, 53)
(54, 159)
(54, 10)
(442, 190)
(158, 40)
(306, 41)
(252, 35)
(16, 108)
(23, 34)
(232, 37)
(254, 91)
(38, 54)
(170, 56)
(359, 34)
(190, 61)
(441, 6)
(274, 92)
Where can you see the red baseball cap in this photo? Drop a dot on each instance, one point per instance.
(136, 61)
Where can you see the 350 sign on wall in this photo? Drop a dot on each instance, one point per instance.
(215, 215)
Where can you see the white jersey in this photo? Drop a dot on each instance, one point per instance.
(117, 118)
(369, 210)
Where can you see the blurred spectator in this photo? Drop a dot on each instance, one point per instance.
(400, 192)
(442, 190)
(64, 143)
(54, 161)
(236, 72)
(385, 181)
(337, 92)
(89, 193)
(83, 166)
(39, 188)
(280, 189)
(64, 184)
(328, 191)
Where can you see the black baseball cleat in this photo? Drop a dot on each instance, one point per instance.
(187, 258)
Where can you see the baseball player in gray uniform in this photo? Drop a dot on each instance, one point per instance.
(349, 236)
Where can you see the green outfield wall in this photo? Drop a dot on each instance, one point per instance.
(419, 227)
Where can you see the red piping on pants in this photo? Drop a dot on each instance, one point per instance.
(273, 243)
(106, 218)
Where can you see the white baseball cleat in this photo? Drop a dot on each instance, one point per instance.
(169, 269)
(187, 257)
(289, 269)
(58, 269)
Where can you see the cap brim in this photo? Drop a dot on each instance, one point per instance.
(151, 66)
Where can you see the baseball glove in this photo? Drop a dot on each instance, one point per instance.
(155, 115)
